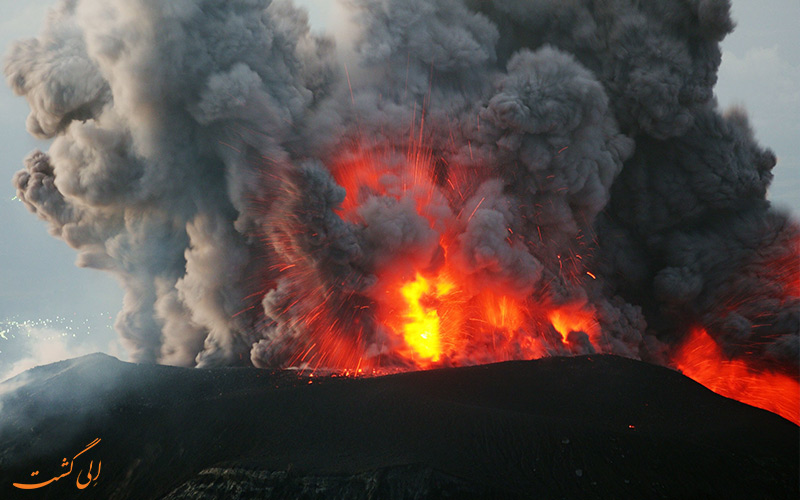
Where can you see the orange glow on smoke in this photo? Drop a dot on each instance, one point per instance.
(501, 312)
(574, 319)
(701, 359)
(438, 313)
(364, 174)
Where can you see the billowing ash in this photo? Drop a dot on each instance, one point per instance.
(571, 156)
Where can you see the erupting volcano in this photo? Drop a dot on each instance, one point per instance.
(444, 301)
(459, 182)
(431, 310)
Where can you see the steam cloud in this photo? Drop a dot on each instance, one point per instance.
(196, 142)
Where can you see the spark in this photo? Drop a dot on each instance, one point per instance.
(346, 72)
(11, 327)
(476, 209)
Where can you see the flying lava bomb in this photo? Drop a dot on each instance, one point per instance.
(472, 181)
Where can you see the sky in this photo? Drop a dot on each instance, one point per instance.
(52, 310)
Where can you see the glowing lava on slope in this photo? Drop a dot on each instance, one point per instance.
(701, 359)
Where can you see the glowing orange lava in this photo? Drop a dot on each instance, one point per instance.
(422, 322)
(440, 321)
(570, 319)
(701, 359)
(438, 313)
(501, 312)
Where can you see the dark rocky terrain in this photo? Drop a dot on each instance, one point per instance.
(582, 427)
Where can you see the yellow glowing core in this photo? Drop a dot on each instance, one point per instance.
(422, 327)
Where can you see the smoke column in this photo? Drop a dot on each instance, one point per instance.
(262, 199)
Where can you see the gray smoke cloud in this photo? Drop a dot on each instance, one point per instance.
(155, 108)
(572, 153)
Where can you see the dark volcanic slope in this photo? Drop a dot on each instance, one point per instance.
(590, 427)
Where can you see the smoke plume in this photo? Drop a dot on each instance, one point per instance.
(260, 194)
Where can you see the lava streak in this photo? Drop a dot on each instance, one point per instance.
(702, 360)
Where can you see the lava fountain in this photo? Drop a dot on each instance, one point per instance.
(432, 308)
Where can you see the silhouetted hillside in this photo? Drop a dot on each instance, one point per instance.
(588, 427)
